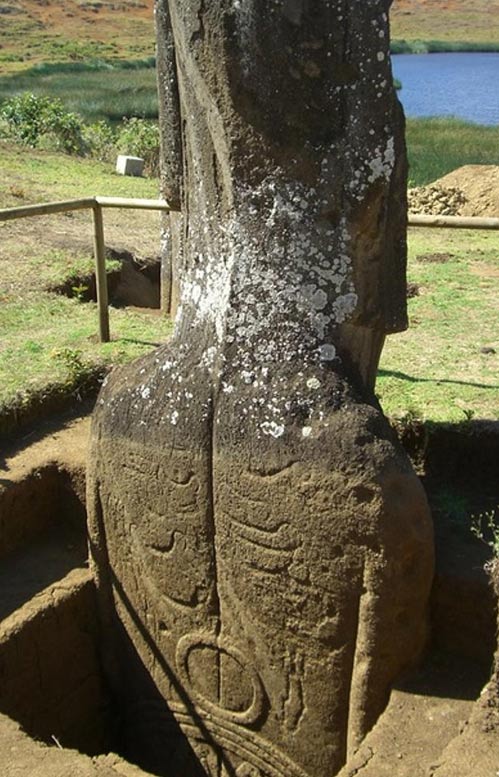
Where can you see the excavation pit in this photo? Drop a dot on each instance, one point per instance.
(134, 283)
(53, 681)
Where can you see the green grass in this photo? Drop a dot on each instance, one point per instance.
(436, 146)
(95, 90)
(436, 370)
(44, 68)
(99, 90)
(34, 44)
(56, 267)
(51, 340)
(32, 176)
(441, 46)
(444, 22)
(66, 32)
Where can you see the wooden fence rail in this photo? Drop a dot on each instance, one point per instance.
(96, 204)
(454, 222)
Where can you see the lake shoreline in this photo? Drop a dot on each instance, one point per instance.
(456, 84)
(416, 46)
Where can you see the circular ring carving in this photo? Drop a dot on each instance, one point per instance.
(200, 641)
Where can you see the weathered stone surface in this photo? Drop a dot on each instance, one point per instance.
(254, 524)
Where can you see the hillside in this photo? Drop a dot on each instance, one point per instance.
(474, 21)
(33, 31)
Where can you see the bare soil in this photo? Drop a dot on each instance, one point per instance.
(48, 613)
(426, 711)
(471, 190)
(25, 242)
(480, 186)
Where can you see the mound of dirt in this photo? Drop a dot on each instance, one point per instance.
(472, 190)
(480, 186)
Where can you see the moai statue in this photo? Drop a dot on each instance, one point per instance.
(262, 547)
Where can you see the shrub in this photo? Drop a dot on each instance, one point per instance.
(41, 121)
(140, 137)
(402, 46)
(100, 140)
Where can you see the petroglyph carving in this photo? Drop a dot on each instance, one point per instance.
(262, 548)
(248, 770)
(229, 667)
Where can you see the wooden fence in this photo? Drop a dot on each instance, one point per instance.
(97, 204)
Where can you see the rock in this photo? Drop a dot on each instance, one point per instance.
(436, 200)
(471, 190)
(129, 165)
(262, 546)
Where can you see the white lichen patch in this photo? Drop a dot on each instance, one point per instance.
(273, 429)
(269, 277)
(327, 352)
(382, 164)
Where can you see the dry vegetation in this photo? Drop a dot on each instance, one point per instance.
(34, 31)
(446, 20)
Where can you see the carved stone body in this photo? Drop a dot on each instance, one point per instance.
(262, 546)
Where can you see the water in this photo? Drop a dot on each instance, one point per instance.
(465, 85)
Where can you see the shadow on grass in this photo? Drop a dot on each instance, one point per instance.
(140, 342)
(412, 379)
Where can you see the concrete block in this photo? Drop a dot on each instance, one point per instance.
(129, 165)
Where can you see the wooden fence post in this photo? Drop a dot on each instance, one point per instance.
(100, 274)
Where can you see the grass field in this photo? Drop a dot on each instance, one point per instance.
(95, 90)
(48, 339)
(34, 32)
(446, 366)
(436, 370)
(437, 146)
(402, 46)
(446, 21)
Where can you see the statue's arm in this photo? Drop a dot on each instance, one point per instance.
(169, 106)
